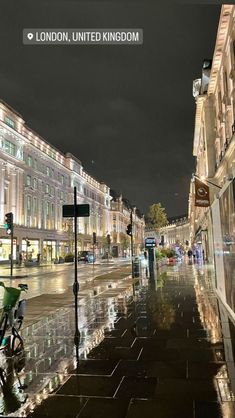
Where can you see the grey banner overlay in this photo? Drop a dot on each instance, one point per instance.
(83, 36)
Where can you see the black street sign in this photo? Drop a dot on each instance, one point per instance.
(150, 242)
(82, 211)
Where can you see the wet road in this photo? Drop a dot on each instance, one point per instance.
(166, 352)
(56, 278)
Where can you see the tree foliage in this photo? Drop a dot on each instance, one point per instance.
(157, 216)
(124, 241)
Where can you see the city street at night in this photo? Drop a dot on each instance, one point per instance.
(117, 209)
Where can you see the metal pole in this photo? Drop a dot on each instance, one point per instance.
(132, 246)
(76, 284)
(208, 181)
(93, 253)
(12, 234)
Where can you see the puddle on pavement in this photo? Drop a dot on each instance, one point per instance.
(49, 351)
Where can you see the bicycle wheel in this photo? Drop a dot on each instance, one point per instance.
(3, 326)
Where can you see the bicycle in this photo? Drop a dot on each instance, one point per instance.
(12, 315)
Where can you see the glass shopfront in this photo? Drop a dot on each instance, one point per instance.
(49, 250)
(5, 249)
(63, 248)
(30, 249)
(227, 216)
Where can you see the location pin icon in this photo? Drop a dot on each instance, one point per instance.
(30, 36)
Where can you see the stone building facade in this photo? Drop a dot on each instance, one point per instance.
(214, 149)
(119, 219)
(36, 180)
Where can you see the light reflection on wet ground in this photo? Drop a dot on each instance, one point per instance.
(167, 353)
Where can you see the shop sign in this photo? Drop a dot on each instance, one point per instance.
(202, 197)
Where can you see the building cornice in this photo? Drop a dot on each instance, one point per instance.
(223, 28)
(198, 117)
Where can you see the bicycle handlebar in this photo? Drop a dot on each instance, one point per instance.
(23, 287)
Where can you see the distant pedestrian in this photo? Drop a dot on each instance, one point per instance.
(20, 259)
(190, 253)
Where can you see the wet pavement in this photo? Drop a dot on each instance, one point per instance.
(168, 351)
(53, 279)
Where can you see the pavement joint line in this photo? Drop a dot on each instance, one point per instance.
(77, 416)
(140, 353)
(123, 377)
(115, 368)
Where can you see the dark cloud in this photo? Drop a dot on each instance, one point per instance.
(128, 108)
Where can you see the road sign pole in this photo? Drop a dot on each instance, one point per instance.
(75, 211)
(12, 237)
(132, 246)
(76, 285)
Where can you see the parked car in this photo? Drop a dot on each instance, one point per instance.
(86, 256)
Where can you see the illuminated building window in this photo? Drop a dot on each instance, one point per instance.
(35, 183)
(29, 161)
(9, 122)
(47, 171)
(28, 180)
(47, 188)
(9, 148)
(29, 203)
(34, 205)
(52, 191)
(61, 178)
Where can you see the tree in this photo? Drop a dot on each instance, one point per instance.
(124, 241)
(157, 216)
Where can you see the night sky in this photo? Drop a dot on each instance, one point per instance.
(126, 112)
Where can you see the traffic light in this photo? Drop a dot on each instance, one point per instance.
(8, 225)
(108, 239)
(129, 229)
(94, 238)
(27, 242)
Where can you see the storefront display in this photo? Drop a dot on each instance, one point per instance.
(227, 216)
(30, 249)
(5, 249)
(49, 250)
